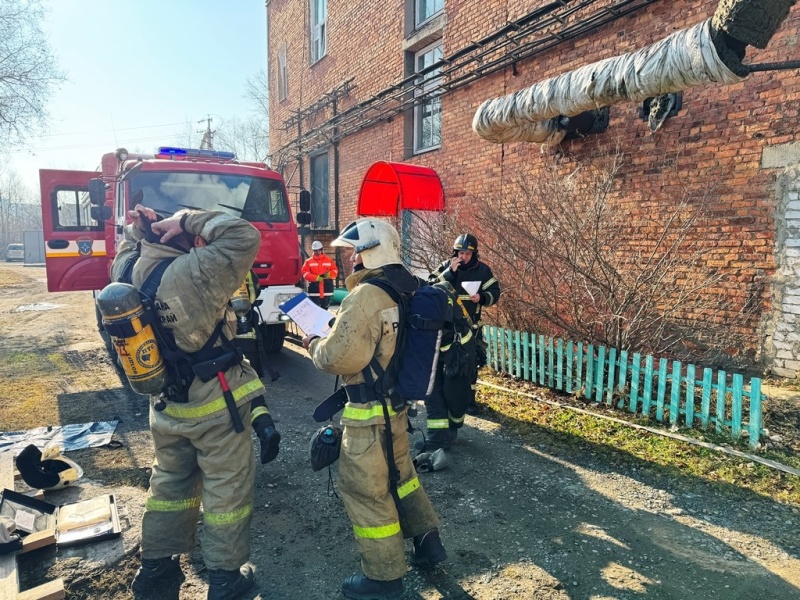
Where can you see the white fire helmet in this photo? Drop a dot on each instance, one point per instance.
(48, 471)
(375, 240)
(316, 245)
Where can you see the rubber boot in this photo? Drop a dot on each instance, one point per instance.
(361, 587)
(227, 585)
(438, 438)
(156, 572)
(428, 549)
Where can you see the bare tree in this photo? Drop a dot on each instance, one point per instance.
(248, 138)
(28, 71)
(19, 210)
(575, 260)
(428, 237)
(257, 93)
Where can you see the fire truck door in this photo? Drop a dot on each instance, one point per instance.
(74, 242)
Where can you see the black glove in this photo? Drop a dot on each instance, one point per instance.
(269, 437)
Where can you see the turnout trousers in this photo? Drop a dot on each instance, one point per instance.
(447, 405)
(196, 462)
(378, 525)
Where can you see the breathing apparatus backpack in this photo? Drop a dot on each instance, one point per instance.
(424, 315)
(136, 331)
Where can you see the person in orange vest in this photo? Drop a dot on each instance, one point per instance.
(319, 271)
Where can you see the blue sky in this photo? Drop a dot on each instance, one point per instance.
(138, 71)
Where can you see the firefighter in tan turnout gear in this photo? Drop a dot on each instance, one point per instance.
(199, 455)
(383, 513)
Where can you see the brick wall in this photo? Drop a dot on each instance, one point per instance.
(717, 141)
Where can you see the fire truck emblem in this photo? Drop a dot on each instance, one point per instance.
(85, 247)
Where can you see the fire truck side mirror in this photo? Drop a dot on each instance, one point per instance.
(101, 213)
(305, 201)
(97, 192)
(303, 218)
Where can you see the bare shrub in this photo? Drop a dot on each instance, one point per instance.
(428, 237)
(575, 260)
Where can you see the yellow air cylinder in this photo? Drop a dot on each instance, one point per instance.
(134, 339)
(240, 301)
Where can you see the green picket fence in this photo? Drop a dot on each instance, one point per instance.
(641, 384)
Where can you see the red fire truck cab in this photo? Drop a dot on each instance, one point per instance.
(84, 212)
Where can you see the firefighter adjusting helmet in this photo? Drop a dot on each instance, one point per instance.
(466, 241)
(375, 240)
(316, 245)
(48, 471)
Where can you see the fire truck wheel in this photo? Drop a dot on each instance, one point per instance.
(273, 336)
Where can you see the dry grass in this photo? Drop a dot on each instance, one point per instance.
(625, 446)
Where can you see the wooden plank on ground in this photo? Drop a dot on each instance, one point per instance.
(9, 580)
(52, 590)
(40, 539)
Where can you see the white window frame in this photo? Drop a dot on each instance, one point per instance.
(430, 81)
(437, 7)
(283, 73)
(319, 29)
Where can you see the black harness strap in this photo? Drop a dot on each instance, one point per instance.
(394, 472)
(184, 366)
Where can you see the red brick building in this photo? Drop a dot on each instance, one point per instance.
(346, 91)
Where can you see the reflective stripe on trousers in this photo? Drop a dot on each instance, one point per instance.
(363, 482)
(205, 461)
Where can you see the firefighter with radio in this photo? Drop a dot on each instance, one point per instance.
(463, 270)
(191, 263)
(319, 271)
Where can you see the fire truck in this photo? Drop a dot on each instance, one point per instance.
(84, 212)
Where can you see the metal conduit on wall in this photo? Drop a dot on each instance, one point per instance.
(465, 66)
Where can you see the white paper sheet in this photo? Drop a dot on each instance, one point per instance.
(471, 287)
(309, 317)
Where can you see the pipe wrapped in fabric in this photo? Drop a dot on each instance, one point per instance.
(685, 59)
(752, 22)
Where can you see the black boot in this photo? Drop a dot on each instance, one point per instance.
(361, 587)
(156, 572)
(428, 549)
(227, 585)
(440, 438)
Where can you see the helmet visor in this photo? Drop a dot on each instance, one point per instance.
(352, 235)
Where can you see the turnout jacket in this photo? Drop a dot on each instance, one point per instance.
(474, 270)
(193, 298)
(313, 268)
(366, 325)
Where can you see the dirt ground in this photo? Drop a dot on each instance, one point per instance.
(520, 519)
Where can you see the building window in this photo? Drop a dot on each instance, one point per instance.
(428, 107)
(283, 73)
(320, 192)
(424, 10)
(319, 26)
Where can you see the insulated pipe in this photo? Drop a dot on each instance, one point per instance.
(685, 59)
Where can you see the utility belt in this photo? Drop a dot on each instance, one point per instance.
(359, 393)
(204, 364)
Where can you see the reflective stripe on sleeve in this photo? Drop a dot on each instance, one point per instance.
(257, 412)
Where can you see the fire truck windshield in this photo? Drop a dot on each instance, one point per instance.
(252, 198)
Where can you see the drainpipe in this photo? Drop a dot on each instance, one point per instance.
(342, 274)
